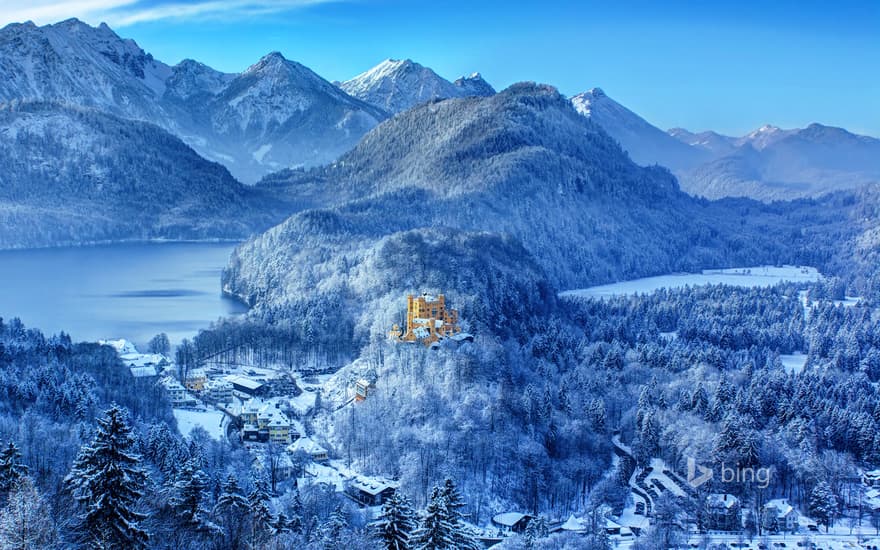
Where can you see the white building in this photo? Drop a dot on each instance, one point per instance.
(177, 393)
(310, 447)
(219, 391)
(785, 514)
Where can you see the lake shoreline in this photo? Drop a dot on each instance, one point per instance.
(112, 242)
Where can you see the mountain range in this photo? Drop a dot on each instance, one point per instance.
(275, 114)
(767, 164)
(396, 85)
(519, 178)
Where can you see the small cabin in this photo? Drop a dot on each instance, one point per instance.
(511, 522)
(370, 491)
(362, 388)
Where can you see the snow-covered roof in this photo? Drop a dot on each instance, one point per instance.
(142, 359)
(306, 444)
(142, 372)
(171, 383)
(373, 485)
(508, 519)
(721, 500)
(572, 524)
(872, 474)
(121, 345)
(781, 505)
(244, 382)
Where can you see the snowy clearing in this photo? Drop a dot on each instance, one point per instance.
(742, 276)
(212, 420)
(794, 362)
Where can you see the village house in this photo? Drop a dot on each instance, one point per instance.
(511, 522)
(722, 512)
(310, 447)
(264, 421)
(362, 388)
(177, 393)
(370, 491)
(218, 391)
(195, 380)
(779, 515)
(247, 387)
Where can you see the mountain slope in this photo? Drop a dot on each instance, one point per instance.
(397, 85)
(276, 114)
(646, 144)
(73, 175)
(521, 165)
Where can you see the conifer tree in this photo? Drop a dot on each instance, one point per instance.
(189, 495)
(11, 467)
(107, 480)
(261, 515)
(435, 531)
(396, 524)
(231, 510)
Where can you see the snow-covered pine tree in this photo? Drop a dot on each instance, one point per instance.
(11, 467)
(396, 524)
(107, 480)
(823, 504)
(461, 534)
(232, 510)
(188, 497)
(26, 520)
(435, 531)
(331, 530)
(261, 515)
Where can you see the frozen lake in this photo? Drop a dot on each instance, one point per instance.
(131, 291)
(740, 276)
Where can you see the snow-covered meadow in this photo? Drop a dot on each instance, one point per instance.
(748, 277)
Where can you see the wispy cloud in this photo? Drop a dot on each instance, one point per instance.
(120, 13)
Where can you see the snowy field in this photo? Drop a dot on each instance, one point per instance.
(794, 362)
(212, 420)
(741, 276)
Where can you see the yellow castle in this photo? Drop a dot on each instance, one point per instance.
(427, 320)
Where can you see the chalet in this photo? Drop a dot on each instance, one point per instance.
(722, 512)
(781, 515)
(310, 447)
(370, 491)
(177, 393)
(218, 391)
(511, 522)
(264, 421)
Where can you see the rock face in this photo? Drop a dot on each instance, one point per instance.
(276, 114)
(396, 85)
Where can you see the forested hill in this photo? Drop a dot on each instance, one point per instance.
(526, 165)
(72, 175)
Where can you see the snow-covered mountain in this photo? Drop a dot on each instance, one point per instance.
(276, 114)
(775, 164)
(645, 143)
(520, 165)
(72, 175)
(769, 163)
(397, 85)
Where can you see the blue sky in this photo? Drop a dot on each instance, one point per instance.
(725, 65)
